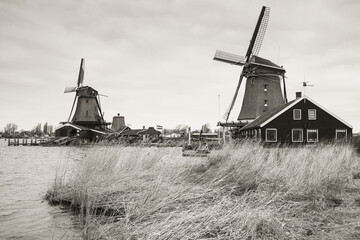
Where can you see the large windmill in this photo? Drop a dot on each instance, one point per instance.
(263, 77)
(88, 109)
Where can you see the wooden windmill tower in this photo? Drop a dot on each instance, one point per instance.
(88, 110)
(263, 77)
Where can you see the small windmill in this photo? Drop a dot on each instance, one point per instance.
(263, 86)
(88, 110)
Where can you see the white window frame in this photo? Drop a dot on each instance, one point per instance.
(340, 130)
(266, 134)
(317, 135)
(294, 114)
(309, 114)
(292, 134)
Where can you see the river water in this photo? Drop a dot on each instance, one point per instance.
(25, 175)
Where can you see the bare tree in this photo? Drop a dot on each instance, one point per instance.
(182, 128)
(50, 129)
(10, 128)
(45, 128)
(37, 129)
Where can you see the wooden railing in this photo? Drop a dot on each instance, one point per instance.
(26, 141)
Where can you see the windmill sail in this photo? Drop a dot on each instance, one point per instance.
(81, 73)
(259, 32)
(229, 58)
(70, 89)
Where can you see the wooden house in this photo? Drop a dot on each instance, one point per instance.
(299, 121)
(149, 134)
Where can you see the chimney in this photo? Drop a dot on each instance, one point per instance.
(298, 95)
(143, 127)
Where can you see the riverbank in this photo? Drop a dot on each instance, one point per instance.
(240, 192)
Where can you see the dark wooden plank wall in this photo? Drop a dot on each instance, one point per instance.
(325, 123)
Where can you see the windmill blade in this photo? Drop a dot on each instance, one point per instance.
(72, 108)
(81, 73)
(99, 106)
(229, 58)
(285, 96)
(70, 89)
(259, 33)
(228, 111)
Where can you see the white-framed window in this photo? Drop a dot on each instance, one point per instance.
(312, 135)
(340, 134)
(271, 135)
(297, 114)
(312, 114)
(297, 135)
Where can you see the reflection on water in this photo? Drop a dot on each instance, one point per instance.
(25, 174)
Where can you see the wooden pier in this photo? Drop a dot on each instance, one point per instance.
(26, 141)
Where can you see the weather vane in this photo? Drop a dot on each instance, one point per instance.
(306, 84)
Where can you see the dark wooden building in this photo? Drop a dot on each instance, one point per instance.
(74, 130)
(299, 121)
(149, 134)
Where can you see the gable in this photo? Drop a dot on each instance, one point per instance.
(304, 104)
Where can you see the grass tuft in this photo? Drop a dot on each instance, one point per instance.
(243, 191)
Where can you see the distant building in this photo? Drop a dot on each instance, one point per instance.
(118, 123)
(299, 121)
(141, 134)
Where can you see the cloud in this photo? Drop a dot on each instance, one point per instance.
(154, 59)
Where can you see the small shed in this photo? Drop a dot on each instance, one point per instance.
(299, 121)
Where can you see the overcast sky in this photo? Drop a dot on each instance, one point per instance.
(154, 58)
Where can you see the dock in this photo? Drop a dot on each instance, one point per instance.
(26, 141)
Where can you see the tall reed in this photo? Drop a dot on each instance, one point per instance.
(243, 191)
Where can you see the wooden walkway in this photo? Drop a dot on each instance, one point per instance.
(26, 141)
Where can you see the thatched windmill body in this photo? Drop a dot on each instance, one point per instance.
(88, 111)
(263, 77)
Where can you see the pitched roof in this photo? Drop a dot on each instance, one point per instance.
(82, 128)
(131, 132)
(138, 132)
(267, 117)
(262, 118)
(150, 131)
(73, 126)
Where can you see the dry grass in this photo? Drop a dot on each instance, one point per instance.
(244, 191)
